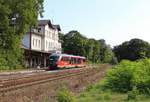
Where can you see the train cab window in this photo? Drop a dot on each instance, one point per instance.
(54, 58)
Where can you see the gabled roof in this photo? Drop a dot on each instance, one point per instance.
(45, 22)
(57, 27)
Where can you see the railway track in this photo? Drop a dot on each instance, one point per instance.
(17, 82)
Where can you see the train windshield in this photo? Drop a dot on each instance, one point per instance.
(54, 58)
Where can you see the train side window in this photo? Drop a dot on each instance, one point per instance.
(67, 59)
(70, 60)
(74, 60)
(62, 59)
(79, 61)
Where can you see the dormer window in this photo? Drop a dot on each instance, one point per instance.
(39, 30)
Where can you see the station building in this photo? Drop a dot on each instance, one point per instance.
(40, 42)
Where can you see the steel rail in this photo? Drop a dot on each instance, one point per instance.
(39, 81)
(61, 72)
(26, 75)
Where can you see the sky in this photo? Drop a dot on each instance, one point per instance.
(115, 21)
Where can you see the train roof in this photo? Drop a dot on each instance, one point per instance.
(55, 54)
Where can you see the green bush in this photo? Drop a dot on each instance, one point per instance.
(127, 74)
(120, 77)
(114, 60)
(132, 95)
(65, 96)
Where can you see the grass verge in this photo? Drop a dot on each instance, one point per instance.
(95, 93)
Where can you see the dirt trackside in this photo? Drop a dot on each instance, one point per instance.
(40, 92)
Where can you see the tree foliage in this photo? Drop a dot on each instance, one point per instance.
(16, 18)
(74, 43)
(106, 53)
(94, 50)
(127, 75)
(132, 50)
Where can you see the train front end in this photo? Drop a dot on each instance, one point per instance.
(53, 62)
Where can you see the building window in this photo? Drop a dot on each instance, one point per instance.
(39, 43)
(46, 33)
(50, 34)
(39, 30)
(33, 41)
(49, 45)
(46, 44)
(53, 36)
(36, 42)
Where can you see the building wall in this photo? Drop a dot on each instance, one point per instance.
(48, 41)
(36, 42)
(26, 40)
(51, 39)
(44, 40)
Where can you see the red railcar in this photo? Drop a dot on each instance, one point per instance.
(65, 61)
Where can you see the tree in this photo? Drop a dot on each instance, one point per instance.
(61, 39)
(106, 54)
(132, 50)
(74, 43)
(95, 51)
(92, 50)
(16, 18)
(102, 49)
